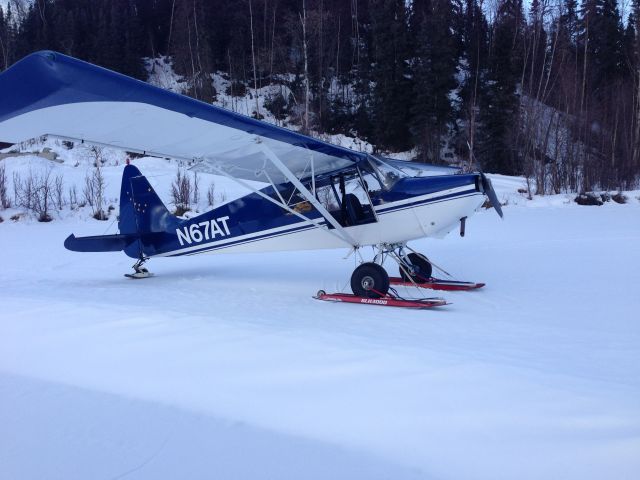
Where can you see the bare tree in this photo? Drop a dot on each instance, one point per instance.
(96, 154)
(23, 190)
(181, 192)
(173, 9)
(73, 196)
(303, 20)
(43, 196)
(196, 189)
(253, 59)
(93, 192)
(211, 197)
(35, 193)
(59, 191)
(4, 49)
(5, 202)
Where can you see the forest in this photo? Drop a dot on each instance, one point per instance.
(549, 89)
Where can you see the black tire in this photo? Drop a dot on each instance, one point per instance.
(370, 280)
(422, 267)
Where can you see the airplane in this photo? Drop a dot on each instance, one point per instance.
(316, 195)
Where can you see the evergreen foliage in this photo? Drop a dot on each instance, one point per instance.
(500, 105)
(390, 75)
(435, 61)
(554, 94)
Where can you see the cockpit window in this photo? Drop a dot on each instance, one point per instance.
(387, 174)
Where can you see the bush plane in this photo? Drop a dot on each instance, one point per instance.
(316, 195)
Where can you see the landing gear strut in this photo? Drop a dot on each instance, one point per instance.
(139, 271)
(371, 280)
(418, 269)
(372, 285)
(414, 267)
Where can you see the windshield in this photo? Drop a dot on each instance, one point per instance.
(387, 174)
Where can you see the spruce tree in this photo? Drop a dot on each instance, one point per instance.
(4, 54)
(474, 37)
(390, 74)
(499, 113)
(434, 69)
(629, 46)
(601, 40)
(536, 49)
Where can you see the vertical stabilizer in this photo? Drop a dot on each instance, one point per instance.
(127, 221)
(142, 212)
(151, 215)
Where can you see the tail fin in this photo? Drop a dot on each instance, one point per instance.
(127, 222)
(142, 214)
(141, 210)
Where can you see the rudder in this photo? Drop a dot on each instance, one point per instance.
(141, 210)
(127, 221)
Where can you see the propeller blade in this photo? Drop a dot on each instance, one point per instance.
(491, 193)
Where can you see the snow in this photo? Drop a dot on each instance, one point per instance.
(78, 162)
(225, 366)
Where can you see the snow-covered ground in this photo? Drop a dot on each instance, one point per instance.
(225, 367)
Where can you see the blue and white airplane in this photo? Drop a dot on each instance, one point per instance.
(317, 195)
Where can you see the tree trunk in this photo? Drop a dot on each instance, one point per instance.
(303, 20)
(253, 59)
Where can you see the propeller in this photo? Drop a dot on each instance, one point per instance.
(486, 185)
(491, 193)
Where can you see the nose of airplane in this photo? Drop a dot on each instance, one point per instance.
(445, 184)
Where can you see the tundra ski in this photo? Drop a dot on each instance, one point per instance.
(437, 284)
(385, 301)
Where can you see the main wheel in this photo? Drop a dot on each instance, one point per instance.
(370, 280)
(421, 267)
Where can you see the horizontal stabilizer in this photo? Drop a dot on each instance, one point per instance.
(99, 243)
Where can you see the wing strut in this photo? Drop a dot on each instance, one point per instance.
(340, 233)
(282, 205)
(308, 195)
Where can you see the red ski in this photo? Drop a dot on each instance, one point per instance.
(386, 301)
(437, 284)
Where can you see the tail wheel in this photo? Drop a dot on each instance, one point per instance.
(370, 280)
(421, 267)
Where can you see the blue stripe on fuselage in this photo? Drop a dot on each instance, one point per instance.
(299, 228)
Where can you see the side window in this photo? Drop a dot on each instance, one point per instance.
(327, 198)
(364, 185)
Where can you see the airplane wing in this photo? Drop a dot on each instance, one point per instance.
(53, 94)
(48, 93)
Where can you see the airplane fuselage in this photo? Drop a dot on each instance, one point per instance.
(412, 209)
